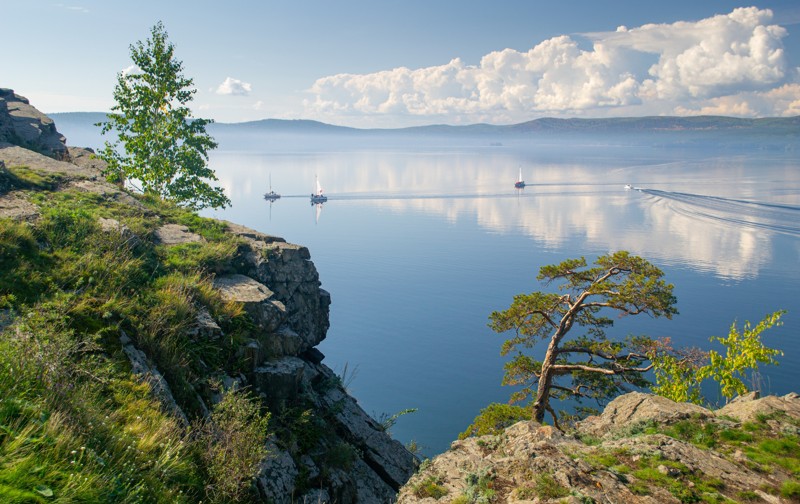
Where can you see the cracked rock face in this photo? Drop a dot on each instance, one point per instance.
(636, 407)
(21, 124)
(176, 234)
(279, 287)
(259, 302)
(533, 463)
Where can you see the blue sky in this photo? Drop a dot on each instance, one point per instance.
(400, 63)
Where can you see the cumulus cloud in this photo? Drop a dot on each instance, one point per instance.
(233, 86)
(131, 70)
(654, 68)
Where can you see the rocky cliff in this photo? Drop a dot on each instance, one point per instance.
(23, 125)
(643, 448)
(324, 447)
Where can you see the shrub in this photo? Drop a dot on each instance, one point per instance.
(495, 418)
(232, 443)
(430, 487)
(791, 489)
(547, 487)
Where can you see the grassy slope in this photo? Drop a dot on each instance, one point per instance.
(74, 424)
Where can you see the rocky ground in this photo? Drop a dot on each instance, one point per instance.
(326, 448)
(643, 448)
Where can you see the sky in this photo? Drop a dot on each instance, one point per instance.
(388, 64)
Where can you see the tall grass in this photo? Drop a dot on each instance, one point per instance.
(75, 425)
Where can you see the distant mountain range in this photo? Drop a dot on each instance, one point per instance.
(772, 131)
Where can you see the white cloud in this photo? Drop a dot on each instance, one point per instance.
(654, 68)
(233, 86)
(133, 69)
(74, 8)
(780, 101)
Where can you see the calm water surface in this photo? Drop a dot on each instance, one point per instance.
(418, 245)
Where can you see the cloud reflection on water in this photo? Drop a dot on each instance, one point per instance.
(678, 219)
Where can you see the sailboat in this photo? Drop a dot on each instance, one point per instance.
(271, 195)
(519, 184)
(318, 197)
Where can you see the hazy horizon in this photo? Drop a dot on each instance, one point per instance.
(374, 65)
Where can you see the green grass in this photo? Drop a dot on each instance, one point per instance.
(23, 177)
(430, 487)
(74, 425)
(494, 419)
(791, 489)
(546, 487)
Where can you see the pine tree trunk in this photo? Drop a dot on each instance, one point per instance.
(546, 379)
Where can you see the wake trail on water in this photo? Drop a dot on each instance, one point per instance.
(776, 217)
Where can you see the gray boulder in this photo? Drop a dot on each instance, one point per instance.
(288, 271)
(276, 478)
(635, 408)
(388, 457)
(175, 234)
(15, 205)
(279, 381)
(146, 372)
(259, 302)
(22, 124)
(749, 407)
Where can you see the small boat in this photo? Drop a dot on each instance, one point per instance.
(271, 195)
(318, 197)
(628, 187)
(519, 184)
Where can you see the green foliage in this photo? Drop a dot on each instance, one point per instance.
(22, 177)
(232, 443)
(387, 421)
(744, 351)
(589, 366)
(341, 455)
(495, 418)
(480, 487)
(430, 487)
(163, 147)
(67, 432)
(791, 489)
(546, 487)
(676, 379)
(748, 496)
(679, 378)
(73, 421)
(22, 266)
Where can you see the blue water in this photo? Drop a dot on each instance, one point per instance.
(419, 244)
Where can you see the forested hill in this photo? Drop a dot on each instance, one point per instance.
(772, 131)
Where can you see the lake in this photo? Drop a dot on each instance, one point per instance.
(419, 243)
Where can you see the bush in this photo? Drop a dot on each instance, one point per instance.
(232, 443)
(494, 419)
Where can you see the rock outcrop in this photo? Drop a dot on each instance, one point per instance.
(642, 449)
(333, 451)
(23, 125)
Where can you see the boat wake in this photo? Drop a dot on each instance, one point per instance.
(753, 214)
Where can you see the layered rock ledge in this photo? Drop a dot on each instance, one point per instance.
(641, 449)
(349, 457)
